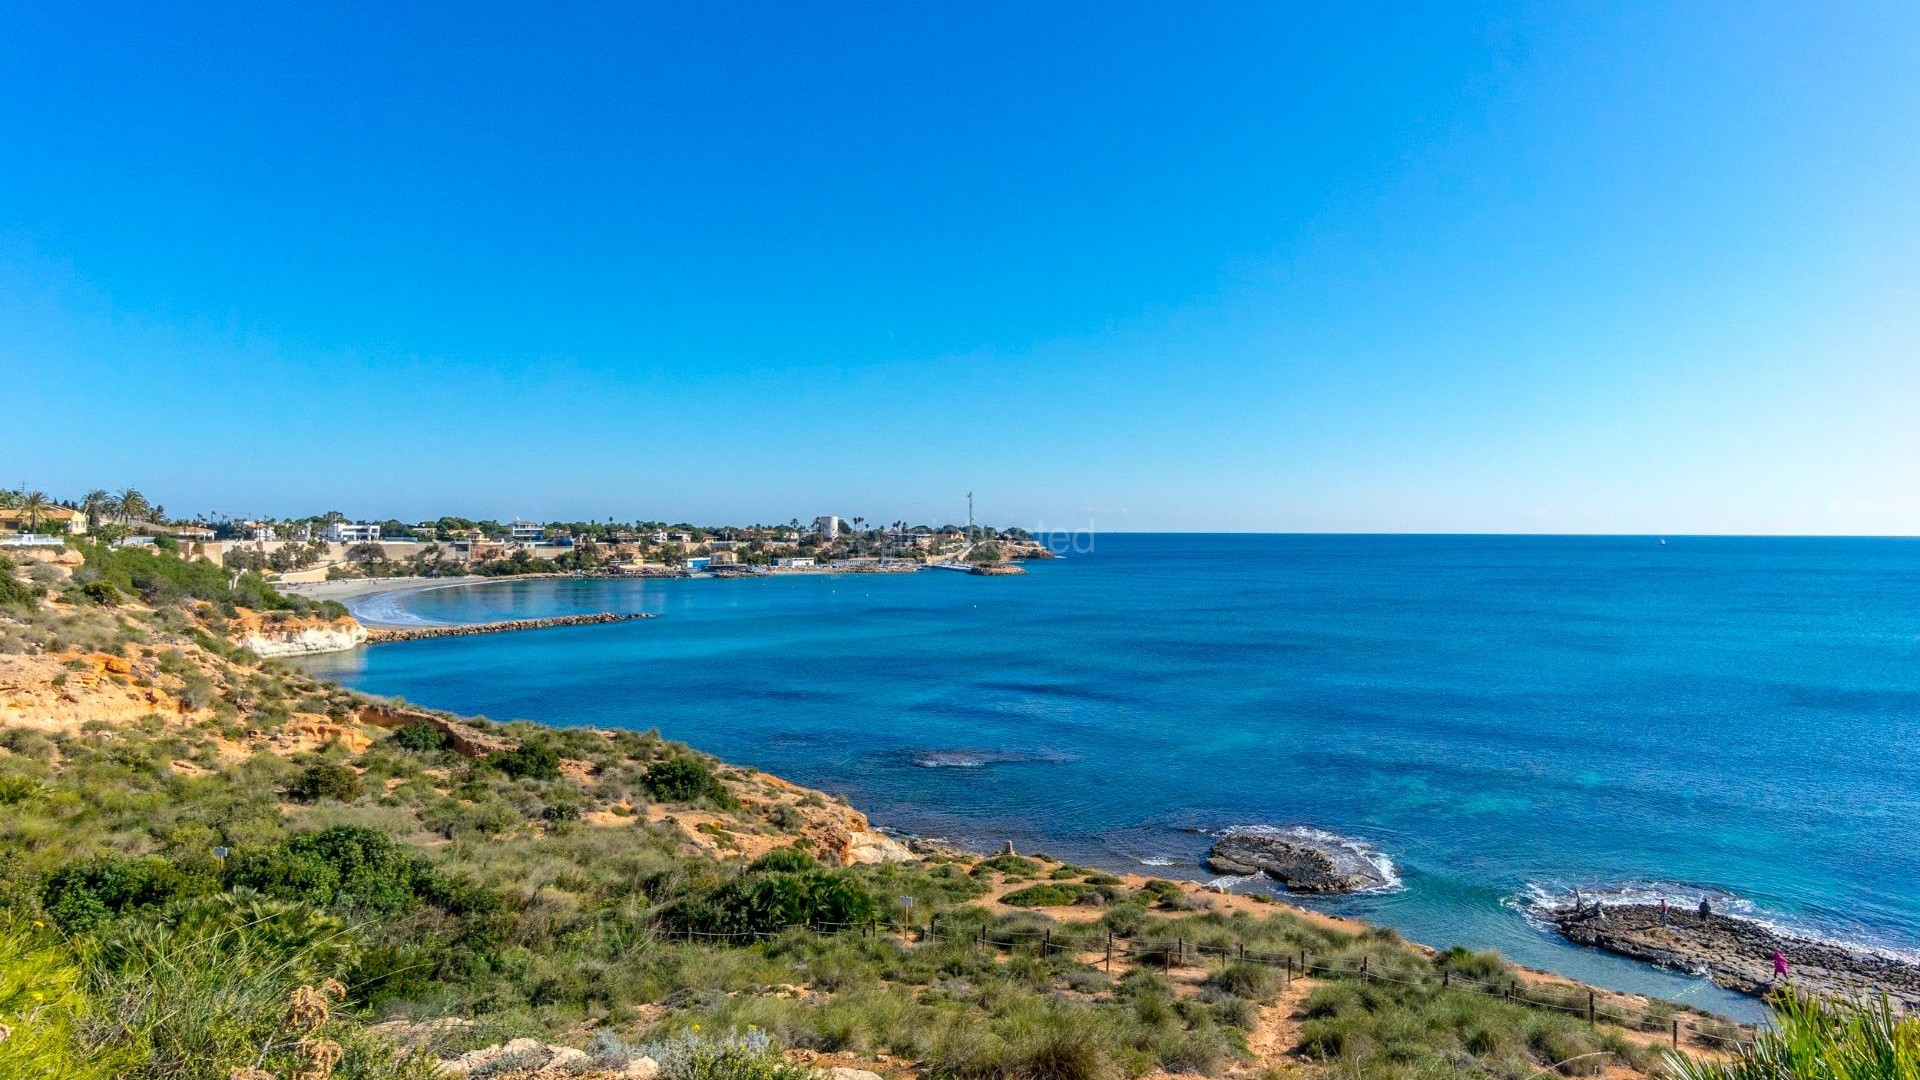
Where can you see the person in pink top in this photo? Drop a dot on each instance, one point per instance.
(1779, 965)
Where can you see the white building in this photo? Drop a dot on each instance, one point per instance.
(347, 532)
(525, 531)
(828, 526)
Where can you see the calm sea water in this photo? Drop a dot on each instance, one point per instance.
(1500, 717)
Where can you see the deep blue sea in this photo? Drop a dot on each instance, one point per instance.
(1500, 717)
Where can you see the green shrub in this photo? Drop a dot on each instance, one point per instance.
(100, 592)
(15, 790)
(421, 738)
(1013, 866)
(346, 866)
(16, 593)
(1162, 893)
(83, 896)
(1049, 895)
(739, 1056)
(1248, 980)
(528, 761)
(326, 780)
(789, 859)
(40, 979)
(768, 902)
(1813, 1039)
(685, 779)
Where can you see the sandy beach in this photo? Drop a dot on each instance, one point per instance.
(358, 593)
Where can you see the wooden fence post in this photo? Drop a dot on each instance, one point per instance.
(1676, 1034)
(1590, 1009)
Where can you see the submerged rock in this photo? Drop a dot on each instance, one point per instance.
(1300, 863)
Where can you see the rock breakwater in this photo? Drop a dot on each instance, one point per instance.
(1738, 952)
(417, 633)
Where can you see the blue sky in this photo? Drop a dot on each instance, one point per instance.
(1559, 267)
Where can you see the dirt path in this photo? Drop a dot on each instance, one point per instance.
(1276, 1031)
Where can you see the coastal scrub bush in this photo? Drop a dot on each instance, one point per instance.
(346, 866)
(1257, 981)
(1048, 895)
(100, 592)
(684, 779)
(80, 897)
(421, 738)
(792, 860)
(1812, 1039)
(17, 593)
(45, 1007)
(528, 761)
(1162, 893)
(767, 902)
(1013, 866)
(748, 1055)
(326, 780)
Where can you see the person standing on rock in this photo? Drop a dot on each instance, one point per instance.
(1706, 912)
(1779, 966)
(1663, 911)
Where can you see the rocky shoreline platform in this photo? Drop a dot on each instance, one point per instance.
(1299, 863)
(1737, 953)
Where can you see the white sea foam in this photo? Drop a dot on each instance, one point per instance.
(1232, 881)
(1340, 848)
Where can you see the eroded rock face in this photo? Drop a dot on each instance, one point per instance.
(1737, 953)
(304, 639)
(1297, 863)
(462, 739)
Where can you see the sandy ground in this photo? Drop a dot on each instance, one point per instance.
(357, 587)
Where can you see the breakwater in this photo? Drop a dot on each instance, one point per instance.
(416, 633)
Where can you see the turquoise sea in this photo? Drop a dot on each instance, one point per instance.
(1501, 718)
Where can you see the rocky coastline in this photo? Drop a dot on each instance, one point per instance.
(1737, 953)
(1299, 863)
(386, 635)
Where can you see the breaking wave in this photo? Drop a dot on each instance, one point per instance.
(1347, 852)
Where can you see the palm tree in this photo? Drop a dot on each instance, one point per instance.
(33, 504)
(131, 505)
(96, 506)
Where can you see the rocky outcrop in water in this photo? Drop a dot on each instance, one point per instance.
(417, 633)
(1738, 953)
(1302, 865)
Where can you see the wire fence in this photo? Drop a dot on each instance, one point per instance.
(1179, 953)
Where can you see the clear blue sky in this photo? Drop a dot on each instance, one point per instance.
(1557, 267)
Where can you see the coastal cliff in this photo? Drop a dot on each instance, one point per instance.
(297, 636)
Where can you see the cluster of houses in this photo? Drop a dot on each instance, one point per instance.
(324, 547)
